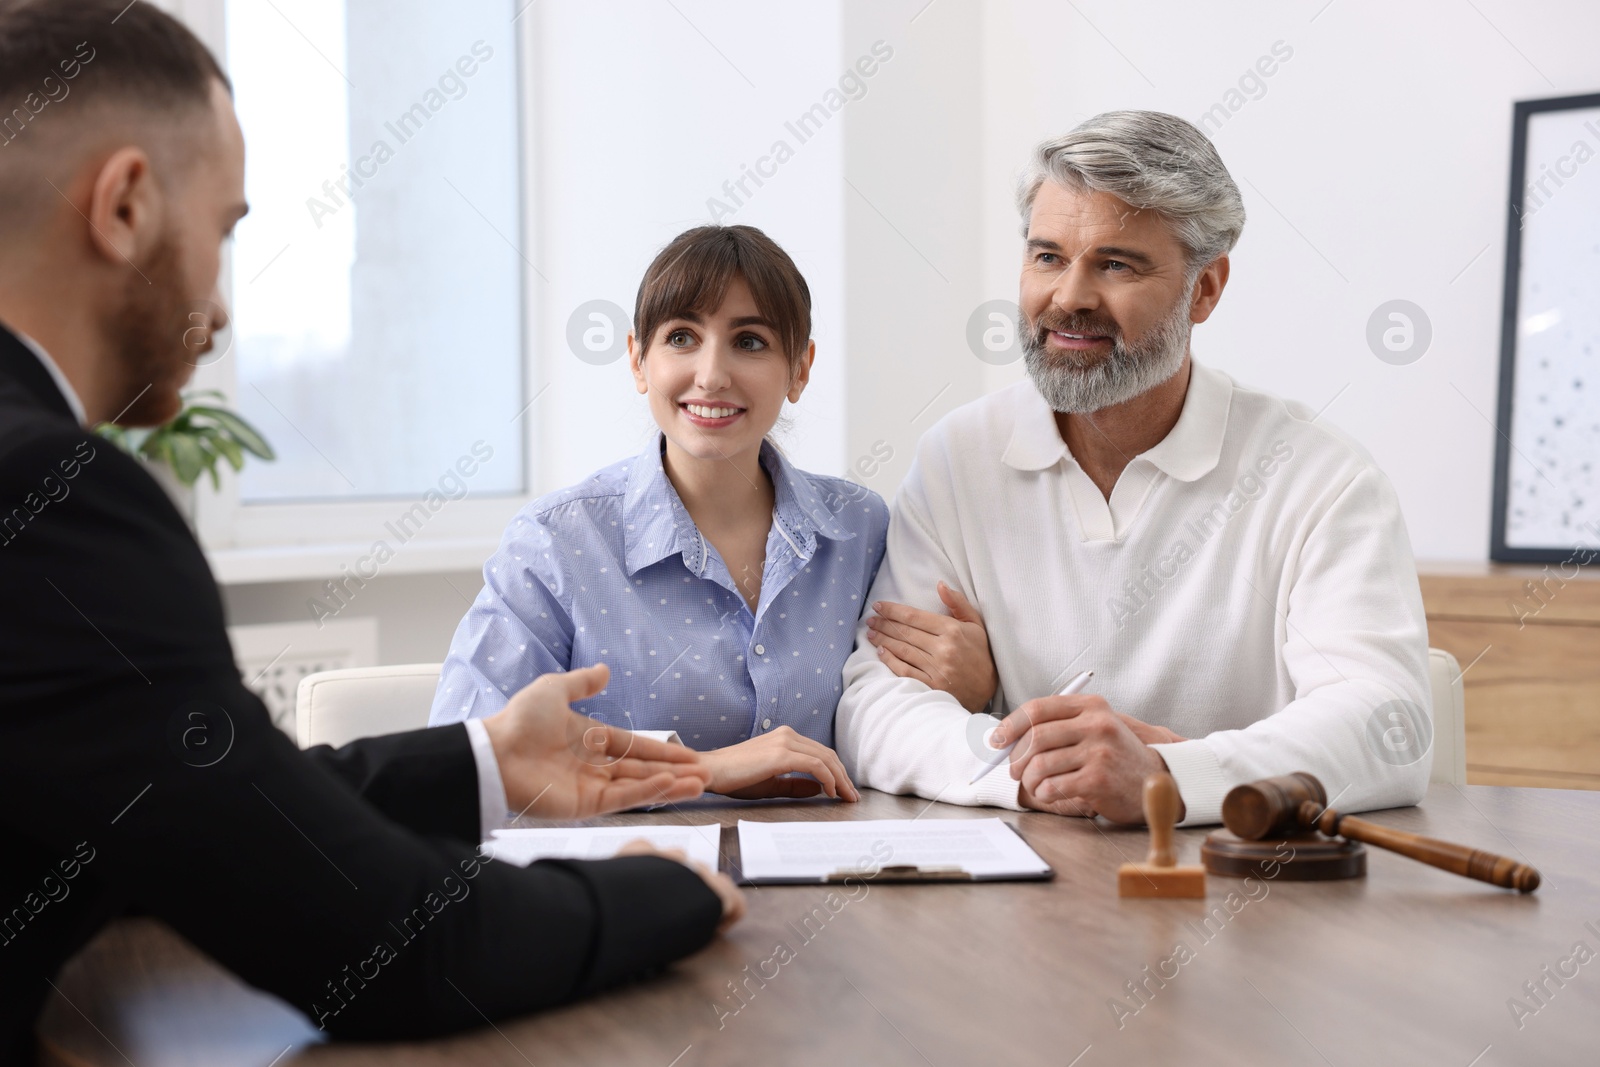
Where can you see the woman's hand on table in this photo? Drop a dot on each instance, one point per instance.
(733, 902)
(948, 652)
(754, 769)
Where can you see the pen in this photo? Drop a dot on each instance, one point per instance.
(1000, 757)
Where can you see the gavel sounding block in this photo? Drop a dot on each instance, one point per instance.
(1159, 875)
(1296, 858)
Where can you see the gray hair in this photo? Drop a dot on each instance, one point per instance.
(1151, 161)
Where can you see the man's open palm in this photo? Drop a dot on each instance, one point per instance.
(557, 764)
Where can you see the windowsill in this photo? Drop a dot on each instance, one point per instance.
(290, 563)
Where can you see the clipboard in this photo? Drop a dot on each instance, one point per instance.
(1026, 864)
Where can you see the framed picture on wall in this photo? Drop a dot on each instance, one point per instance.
(1547, 453)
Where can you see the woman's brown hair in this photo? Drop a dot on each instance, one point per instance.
(692, 273)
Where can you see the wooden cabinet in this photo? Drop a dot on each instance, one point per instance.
(1528, 638)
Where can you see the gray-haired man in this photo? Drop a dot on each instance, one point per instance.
(1235, 571)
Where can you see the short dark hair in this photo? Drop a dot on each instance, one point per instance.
(96, 50)
(692, 274)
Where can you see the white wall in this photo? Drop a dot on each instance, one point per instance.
(643, 113)
(1373, 166)
(911, 187)
(416, 613)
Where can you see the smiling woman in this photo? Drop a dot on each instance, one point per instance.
(720, 583)
(730, 318)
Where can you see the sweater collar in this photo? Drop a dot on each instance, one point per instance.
(1188, 452)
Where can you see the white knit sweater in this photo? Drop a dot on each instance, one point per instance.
(1249, 585)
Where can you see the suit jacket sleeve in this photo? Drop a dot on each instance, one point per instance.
(123, 723)
(426, 780)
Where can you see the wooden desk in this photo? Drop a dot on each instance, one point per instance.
(1408, 966)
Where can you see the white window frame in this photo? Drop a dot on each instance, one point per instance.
(265, 542)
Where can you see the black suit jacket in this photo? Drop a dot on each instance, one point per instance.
(137, 772)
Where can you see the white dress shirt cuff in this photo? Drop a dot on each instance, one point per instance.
(491, 789)
(1194, 766)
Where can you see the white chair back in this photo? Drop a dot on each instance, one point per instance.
(1449, 718)
(336, 707)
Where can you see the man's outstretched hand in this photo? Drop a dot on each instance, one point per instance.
(1076, 756)
(557, 764)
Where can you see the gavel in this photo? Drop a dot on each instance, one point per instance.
(1274, 807)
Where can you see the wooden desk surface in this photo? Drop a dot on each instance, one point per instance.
(1407, 966)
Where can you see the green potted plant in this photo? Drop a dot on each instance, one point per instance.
(193, 443)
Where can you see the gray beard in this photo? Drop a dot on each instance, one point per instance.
(1130, 369)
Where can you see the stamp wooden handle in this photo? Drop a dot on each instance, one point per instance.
(1160, 812)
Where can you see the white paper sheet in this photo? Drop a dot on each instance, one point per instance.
(983, 848)
(523, 846)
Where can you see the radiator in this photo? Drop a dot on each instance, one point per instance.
(273, 657)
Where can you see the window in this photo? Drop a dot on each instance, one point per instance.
(377, 286)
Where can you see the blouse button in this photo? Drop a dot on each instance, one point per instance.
(766, 724)
(761, 650)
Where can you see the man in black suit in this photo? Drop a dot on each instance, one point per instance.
(136, 771)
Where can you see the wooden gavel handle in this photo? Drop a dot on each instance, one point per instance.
(1457, 859)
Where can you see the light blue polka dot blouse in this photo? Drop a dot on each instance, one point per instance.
(614, 570)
